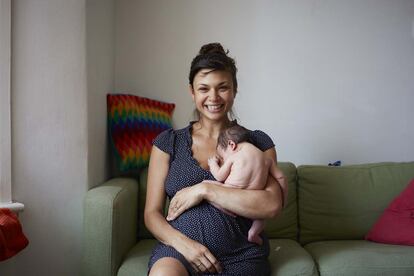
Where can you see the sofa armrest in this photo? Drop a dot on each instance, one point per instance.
(110, 226)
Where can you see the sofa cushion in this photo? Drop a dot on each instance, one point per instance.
(396, 224)
(133, 123)
(136, 261)
(337, 203)
(362, 258)
(288, 257)
(285, 225)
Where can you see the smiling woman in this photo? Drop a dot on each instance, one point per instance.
(197, 237)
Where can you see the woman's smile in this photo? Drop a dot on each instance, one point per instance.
(214, 107)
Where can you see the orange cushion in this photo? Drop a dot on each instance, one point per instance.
(12, 239)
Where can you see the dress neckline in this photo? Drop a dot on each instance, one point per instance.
(189, 137)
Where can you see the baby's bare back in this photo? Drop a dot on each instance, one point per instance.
(250, 168)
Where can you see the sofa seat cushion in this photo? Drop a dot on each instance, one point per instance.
(288, 257)
(360, 257)
(136, 261)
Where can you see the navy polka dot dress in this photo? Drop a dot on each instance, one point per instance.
(225, 236)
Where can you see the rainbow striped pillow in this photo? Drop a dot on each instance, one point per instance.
(133, 123)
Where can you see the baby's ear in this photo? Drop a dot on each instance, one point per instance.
(232, 144)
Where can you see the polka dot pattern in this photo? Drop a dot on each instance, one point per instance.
(225, 236)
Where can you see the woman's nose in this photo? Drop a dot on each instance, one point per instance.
(214, 94)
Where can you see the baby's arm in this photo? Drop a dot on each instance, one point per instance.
(219, 173)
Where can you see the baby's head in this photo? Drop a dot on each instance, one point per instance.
(229, 138)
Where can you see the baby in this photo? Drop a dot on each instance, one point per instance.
(246, 167)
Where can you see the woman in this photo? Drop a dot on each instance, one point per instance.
(197, 237)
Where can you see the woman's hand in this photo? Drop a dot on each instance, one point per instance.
(185, 199)
(198, 256)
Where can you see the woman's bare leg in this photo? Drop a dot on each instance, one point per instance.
(168, 266)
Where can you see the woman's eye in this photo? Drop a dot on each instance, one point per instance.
(224, 88)
(203, 89)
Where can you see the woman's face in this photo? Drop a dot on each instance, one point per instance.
(213, 94)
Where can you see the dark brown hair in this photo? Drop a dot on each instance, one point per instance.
(235, 133)
(213, 56)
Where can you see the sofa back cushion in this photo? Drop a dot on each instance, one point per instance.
(342, 203)
(283, 226)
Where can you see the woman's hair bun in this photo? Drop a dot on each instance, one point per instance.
(213, 56)
(212, 48)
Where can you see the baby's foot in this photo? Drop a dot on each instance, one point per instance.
(255, 239)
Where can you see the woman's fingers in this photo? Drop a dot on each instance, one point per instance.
(206, 262)
(215, 265)
(174, 213)
(184, 200)
(201, 268)
(195, 267)
(199, 257)
(205, 265)
(175, 209)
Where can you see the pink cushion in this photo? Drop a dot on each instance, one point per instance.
(396, 224)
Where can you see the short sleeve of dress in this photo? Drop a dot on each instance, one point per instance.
(165, 141)
(261, 140)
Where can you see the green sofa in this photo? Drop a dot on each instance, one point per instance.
(320, 232)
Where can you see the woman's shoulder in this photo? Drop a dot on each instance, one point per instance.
(261, 139)
(167, 139)
(171, 132)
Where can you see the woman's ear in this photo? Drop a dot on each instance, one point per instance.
(191, 90)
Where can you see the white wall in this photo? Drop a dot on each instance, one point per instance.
(62, 67)
(5, 111)
(100, 28)
(328, 80)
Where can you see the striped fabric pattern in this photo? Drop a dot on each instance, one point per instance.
(133, 123)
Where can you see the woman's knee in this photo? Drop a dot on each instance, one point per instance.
(168, 267)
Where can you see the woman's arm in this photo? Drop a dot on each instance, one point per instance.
(155, 199)
(253, 204)
(193, 251)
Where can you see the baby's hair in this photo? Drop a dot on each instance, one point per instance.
(235, 133)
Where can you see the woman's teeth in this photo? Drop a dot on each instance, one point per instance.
(214, 107)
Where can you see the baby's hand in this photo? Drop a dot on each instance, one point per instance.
(212, 161)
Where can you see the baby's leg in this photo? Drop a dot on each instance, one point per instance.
(281, 179)
(255, 230)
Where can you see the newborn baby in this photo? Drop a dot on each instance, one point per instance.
(244, 166)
